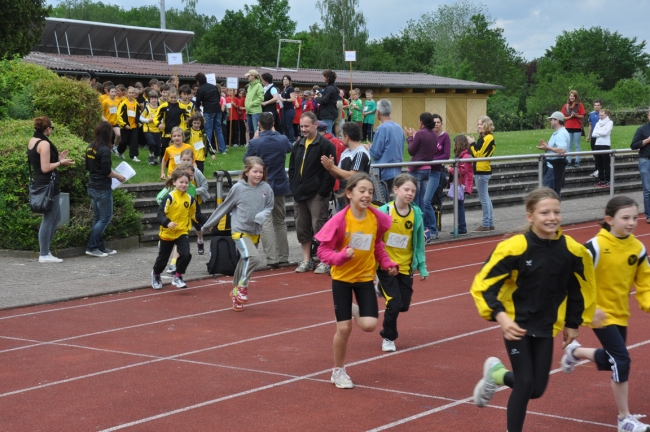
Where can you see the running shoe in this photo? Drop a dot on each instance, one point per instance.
(322, 268)
(108, 251)
(152, 160)
(201, 248)
(171, 269)
(241, 292)
(388, 345)
(594, 174)
(156, 282)
(236, 306)
(486, 386)
(120, 155)
(568, 361)
(178, 282)
(49, 258)
(305, 266)
(135, 159)
(341, 379)
(96, 253)
(631, 423)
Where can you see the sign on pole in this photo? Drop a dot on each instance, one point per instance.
(175, 58)
(211, 78)
(350, 56)
(232, 83)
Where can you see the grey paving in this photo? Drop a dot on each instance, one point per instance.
(27, 282)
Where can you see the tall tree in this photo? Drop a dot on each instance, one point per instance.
(21, 26)
(344, 29)
(610, 56)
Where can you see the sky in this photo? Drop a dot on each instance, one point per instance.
(530, 27)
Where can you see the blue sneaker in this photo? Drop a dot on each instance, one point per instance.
(427, 236)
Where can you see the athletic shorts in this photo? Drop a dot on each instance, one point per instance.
(364, 292)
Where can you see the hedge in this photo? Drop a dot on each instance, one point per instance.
(19, 226)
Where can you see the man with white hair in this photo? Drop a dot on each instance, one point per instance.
(388, 144)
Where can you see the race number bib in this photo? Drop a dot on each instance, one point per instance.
(360, 241)
(130, 113)
(112, 110)
(365, 108)
(198, 145)
(177, 159)
(398, 241)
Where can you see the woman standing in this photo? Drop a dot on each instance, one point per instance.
(442, 152)
(482, 148)
(271, 98)
(421, 146)
(44, 158)
(288, 97)
(601, 133)
(98, 165)
(573, 112)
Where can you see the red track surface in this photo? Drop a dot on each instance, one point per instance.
(183, 360)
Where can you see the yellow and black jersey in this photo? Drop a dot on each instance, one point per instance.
(189, 109)
(541, 284)
(128, 112)
(484, 147)
(109, 109)
(619, 264)
(177, 207)
(170, 115)
(199, 141)
(399, 239)
(150, 113)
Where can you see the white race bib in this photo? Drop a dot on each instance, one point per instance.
(360, 241)
(130, 113)
(112, 110)
(177, 159)
(365, 108)
(398, 241)
(198, 145)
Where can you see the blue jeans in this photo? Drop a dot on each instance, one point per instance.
(421, 177)
(574, 141)
(330, 124)
(102, 201)
(213, 126)
(287, 123)
(252, 120)
(554, 175)
(462, 225)
(644, 169)
(482, 181)
(429, 215)
(50, 221)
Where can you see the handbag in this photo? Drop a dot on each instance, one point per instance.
(460, 189)
(40, 196)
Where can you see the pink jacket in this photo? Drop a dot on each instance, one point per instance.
(332, 234)
(465, 172)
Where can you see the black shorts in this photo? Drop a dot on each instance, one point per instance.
(364, 292)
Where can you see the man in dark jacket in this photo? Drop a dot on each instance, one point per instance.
(311, 185)
(640, 142)
(209, 96)
(328, 112)
(273, 147)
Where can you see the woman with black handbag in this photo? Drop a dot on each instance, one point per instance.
(44, 158)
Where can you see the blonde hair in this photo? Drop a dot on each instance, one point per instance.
(488, 125)
(531, 201)
(176, 129)
(187, 152)
(249, 163)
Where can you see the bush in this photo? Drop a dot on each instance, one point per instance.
(15, 76)
(20, 226)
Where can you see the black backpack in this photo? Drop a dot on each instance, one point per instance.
(223, 256)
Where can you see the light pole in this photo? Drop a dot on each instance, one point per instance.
(163, 24)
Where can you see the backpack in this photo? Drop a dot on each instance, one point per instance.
(223, 256)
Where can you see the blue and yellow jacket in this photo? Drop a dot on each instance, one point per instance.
(541, 284)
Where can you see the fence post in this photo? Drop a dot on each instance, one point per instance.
(456, 198)
(612, 165)
(540, 170)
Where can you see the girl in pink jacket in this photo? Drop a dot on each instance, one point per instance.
(351, 243)
(465, 178)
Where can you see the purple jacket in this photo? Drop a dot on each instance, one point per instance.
(443, 150)
(422, 147)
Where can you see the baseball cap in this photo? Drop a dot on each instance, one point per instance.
(321, 126)
(252, 72)
(557, 116)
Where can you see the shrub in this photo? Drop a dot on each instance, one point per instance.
(15, 76)
(20, 226)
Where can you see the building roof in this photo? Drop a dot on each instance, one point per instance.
(111, 66)
(67, 36)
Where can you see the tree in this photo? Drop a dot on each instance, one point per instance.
(398, 53)
(610, 56)
(630, 93)
(551, 93)
(344, 29)
(21, 26)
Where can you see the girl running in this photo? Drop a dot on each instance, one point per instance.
(172, 154)
(351, 242)
(250, 200)
(630, 260)
(533, 284)
(175, 215)
(404, 245)
(465, 178)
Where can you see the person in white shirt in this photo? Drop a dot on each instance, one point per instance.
(601, 132)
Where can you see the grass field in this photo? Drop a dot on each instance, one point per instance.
(508, 143)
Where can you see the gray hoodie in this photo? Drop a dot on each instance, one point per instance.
(250, 207)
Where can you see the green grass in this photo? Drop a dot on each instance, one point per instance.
(508, 143)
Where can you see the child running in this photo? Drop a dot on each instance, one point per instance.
(197, 139)
(616, 272)
(533, 284)
(465, 178)
(351, 242)
(404, 245)
(250, 200)
(175, 215)
(172, 154)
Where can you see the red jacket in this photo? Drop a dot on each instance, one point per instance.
(465, 172)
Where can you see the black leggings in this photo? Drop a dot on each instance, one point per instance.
(531, 359)
(602, 163)
(398, 291)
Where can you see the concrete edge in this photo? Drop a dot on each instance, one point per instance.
(119, 244)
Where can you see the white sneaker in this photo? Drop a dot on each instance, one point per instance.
(322, 268)
(388, 345)
(595, 174)
(135, 159)
(49, 259)
(568, 361)
(631, 423)
(120, 155)
(156, 282)
(341, 379)
(486, 386)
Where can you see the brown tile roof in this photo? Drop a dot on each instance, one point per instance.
(103, 65)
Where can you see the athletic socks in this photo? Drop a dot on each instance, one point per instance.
(173, 261)
(498, 373)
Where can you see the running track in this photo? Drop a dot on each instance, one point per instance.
(182, 360)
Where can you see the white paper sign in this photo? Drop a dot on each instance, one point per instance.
(198, 145)
(232, 83)
(125, 170)
(350, 56)
(211, 78)
(360, 241)
(175, 58)
(397, 241)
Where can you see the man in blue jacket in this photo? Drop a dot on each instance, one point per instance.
(273, 147)
(387, 145)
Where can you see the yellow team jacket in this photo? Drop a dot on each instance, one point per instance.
(128, 113)
(619, 264)
(541, 284)
(189, 108)
(484, 147)
(177, 207)
(150, 113)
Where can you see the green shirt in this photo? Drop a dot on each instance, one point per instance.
(369, 108)
(191, 190)
(356, 113)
